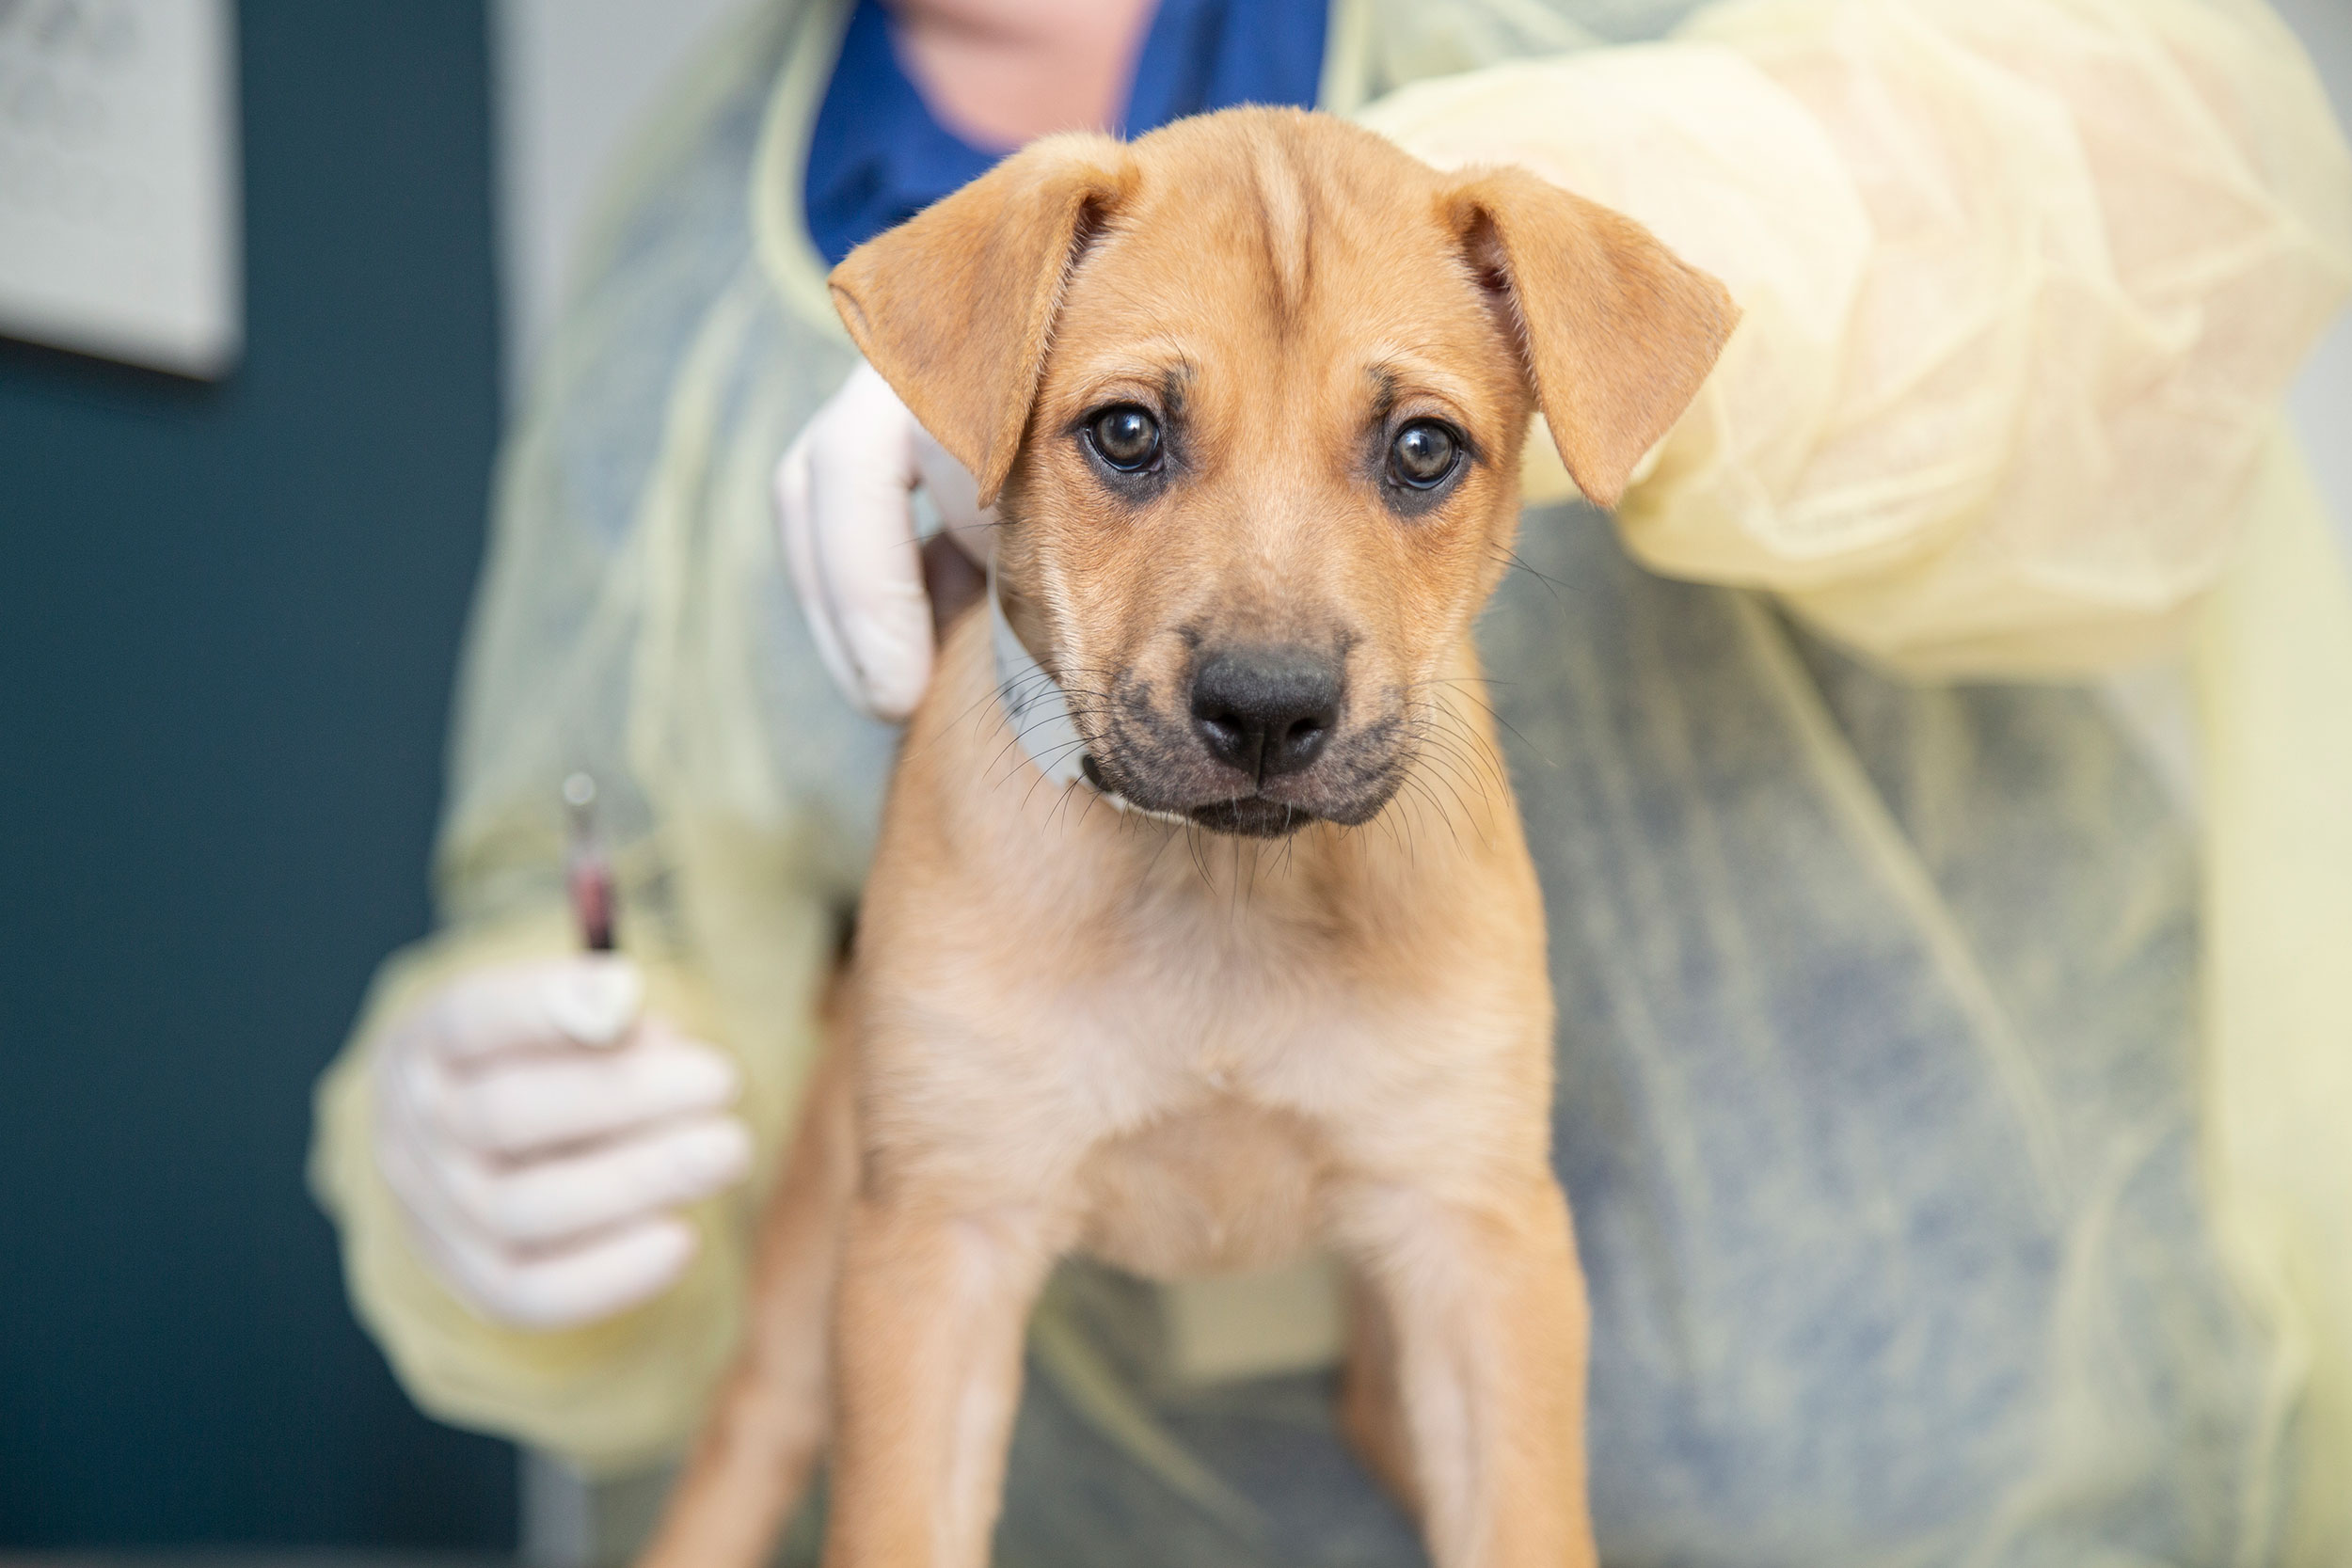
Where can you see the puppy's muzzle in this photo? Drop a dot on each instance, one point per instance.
(1250, 738)
(1265, 711)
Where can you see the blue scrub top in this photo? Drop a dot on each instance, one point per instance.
(877, 156)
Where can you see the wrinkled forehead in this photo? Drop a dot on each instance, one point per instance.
(1319, 256)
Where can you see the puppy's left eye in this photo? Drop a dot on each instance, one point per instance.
(1125, 436)
(1424, 453)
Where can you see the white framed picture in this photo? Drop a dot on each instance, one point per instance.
(120, 189)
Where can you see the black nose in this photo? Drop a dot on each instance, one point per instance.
(1266, 710)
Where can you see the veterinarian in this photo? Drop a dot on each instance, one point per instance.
(1952, 1073)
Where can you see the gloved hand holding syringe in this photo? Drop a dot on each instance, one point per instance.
(541, 1131)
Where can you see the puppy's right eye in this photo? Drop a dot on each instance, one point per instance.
(1125, 436)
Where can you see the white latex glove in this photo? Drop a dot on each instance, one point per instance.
(540, 1133)
(844, 503)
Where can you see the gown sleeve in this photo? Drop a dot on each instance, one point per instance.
(633, 621)
(2024, 284)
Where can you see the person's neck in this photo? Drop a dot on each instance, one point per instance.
(1001, 73)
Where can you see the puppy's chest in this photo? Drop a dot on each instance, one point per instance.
(1183, 1014)
(1227, 1074)
(1227, 1185)
(1196, 1087)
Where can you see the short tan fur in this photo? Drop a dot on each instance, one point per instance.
(1314, 1009)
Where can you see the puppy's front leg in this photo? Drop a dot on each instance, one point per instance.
(1486, 1311)
(761, 1440)
(927, 1340)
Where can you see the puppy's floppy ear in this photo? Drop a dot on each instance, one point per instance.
(1618, 331)
(955, 305)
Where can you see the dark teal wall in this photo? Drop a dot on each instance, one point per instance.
(227, 620)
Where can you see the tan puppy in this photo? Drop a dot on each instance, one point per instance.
(1250, 395)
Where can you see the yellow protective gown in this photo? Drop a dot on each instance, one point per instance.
(2024, 282)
